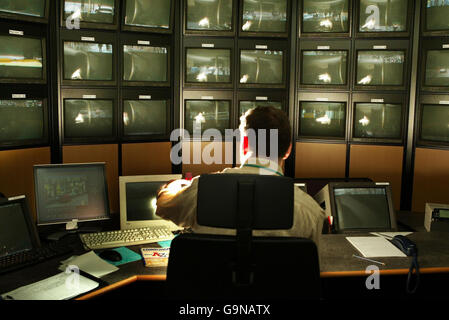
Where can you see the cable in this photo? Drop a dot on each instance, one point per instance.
(414, 266)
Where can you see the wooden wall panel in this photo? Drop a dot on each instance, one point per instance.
(146, 158)
(16, 172)
(381, 164)
(98, 153)
(196, 169)
(320, 160)
(431, 179)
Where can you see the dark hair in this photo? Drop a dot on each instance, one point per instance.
(269, 118)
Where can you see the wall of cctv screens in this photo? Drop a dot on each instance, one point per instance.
(347, 49)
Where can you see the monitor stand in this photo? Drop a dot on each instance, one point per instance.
(72, 228)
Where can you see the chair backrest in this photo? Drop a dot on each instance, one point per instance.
(214, 266)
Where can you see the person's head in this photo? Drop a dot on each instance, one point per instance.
(265, 118)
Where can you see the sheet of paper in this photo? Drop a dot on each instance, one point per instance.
(91, 264)
(62, 286)
(390, 235)
(371, 247)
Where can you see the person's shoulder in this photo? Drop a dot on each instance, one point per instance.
(304, 202)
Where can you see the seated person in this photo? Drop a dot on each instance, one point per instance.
(177, 200)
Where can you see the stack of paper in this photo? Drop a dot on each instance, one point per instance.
(371, 247)
(89, 263)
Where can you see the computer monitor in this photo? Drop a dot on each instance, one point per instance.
(24, 9)
(324, 67)
(17, 230)
(23, 121)
(145, 117)
(209, 16)
(248, 105)
(437, 68)
(435, 123)
(68, 192)
(22, 59)
(208, 65)
(207, 114)
(148, 15)
(436, 13)
(145, 64)
(358, 206)
(325, 16)
(378, 120)
(138, 199)
(383, 16)
(322, 119)
(262, 67)
(84, 118)
(99, 12)
(380, 68)
(264, 17)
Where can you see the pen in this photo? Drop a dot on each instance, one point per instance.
(366, 259)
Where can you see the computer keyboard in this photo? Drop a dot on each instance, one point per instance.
(32, 257)
(131, 237)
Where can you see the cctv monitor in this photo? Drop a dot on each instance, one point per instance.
(435, 123)
(380, 68)
(267, 17)
(90, 12)
(200, 115)
(138, 201)
(378, 121)
(262, 67)
(435, 16)
(148, 15)
(145, 117)
(322, 119)
(208, 65)
(437, 68)
(145, 64)
(68, 192)
(209, 16)
(379, 16)
(35, 11)
(248, 105)
(325, 17)
(324, 67)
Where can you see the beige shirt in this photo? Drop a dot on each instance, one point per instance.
(181, 209)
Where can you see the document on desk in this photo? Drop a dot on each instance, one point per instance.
(371, 247)
(62, 286)
(91, 264)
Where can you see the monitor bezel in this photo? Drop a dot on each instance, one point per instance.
(348, 185)
(92, 25)
(390, 45)
(230, 33)
(426, 46)
(30, 33)
(323, 34)
(375, 99)
(77, 94)
(71, 165)
(327, 97)
(424, 31)
(100, 38)
(126, 27)
(385, 34)
(261, 96)
(27, 18)
(133, 40)
(123, 180)
(429, 100)
(263, 45)
(34, 93)
(137, 95)
(318, 45)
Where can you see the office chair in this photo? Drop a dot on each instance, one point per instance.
(203, 266)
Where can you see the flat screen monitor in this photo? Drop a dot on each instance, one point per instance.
(145, 64)
(88, 61)
(261, 67)
(325, 16)
(265, 16)
(248, 105)
(151, 14)
(145, 117)
(90, 11)
(85, 118)
(21, 58)
(34, 8)
(437, 68)
(209, 15)
(383, 15)
(208, 65)
(67, 192)
(22, 121)
(378, 120)
(436, 13)
(138, 201)
(324, 67)
(322, 119)
(435, 123)
(207, 114)
(380, 68)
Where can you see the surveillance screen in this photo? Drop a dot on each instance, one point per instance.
(248, 105)
(14, 233)
(324, 67)
(88, 61)
(21, 58)
(97, 11)
(208, 65)
(324, 16)
(34, 8)
(141, 200)
(383, 15)
(261, 67)
(323, 119)
(374, 120)
(437, 68)
(264, 16)
(201, 115)
(380, 68)
(435, 123)
(437, 12)
(145, 64)
(145, 117)
(212, 15)
(148, 13)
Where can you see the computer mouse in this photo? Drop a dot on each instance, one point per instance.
(111, 255)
